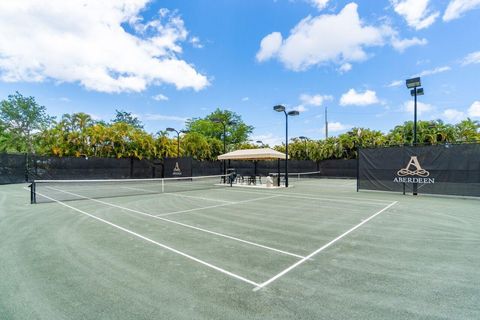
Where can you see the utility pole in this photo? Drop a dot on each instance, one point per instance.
(326, 123)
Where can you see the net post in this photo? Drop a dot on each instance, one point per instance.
(404, 188)
(163, 186)
(358, 167)
(33, 197)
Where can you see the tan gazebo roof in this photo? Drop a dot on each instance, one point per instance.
(253, 154)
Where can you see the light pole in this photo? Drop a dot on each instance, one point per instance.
(305, 139)
(280, 108)
(178, 139)
(414, 84)
(224, 124)
(260, 142)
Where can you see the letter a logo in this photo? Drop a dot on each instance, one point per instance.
(176, 170)
(419, 171)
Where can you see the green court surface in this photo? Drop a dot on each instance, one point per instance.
(317, 250)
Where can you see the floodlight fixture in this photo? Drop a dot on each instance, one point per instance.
(171, 130)
(413, 83)
(420, 92)
(280, 108)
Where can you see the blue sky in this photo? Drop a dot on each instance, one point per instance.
(167, 61)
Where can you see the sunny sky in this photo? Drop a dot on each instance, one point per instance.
(166, 61)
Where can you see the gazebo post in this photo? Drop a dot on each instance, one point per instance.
(278, 172)
(255, 168)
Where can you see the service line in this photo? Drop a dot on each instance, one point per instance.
(184, 225)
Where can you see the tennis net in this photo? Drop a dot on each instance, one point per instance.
(67, 190)
(297, 176)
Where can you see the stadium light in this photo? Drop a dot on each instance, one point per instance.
(305, 139)
(413, 83)
(280, 108)
(415, 91)
(224, 124)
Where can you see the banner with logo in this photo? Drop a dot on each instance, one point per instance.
(441, 169)
(177, 167)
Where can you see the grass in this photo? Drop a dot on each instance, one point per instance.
(210, 254)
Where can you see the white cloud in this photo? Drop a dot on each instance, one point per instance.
(319, 4)
(415, 12)
(315, 100)
(300, 108)
(354, 98)
(395, 83)
(64, 99)
(345, 67)
(402, 44)
(160, 97)
(245, 99)
(474, 110)
(337, 126)
(195, 42)
(422, 108)
(160, 117)
(453, 115)
(326, 38)
(86, 42)
(471, 58)
(433, 71)
(456, 8)
(269, 139)
(269, 46)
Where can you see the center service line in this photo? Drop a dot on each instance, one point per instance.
(185, 225)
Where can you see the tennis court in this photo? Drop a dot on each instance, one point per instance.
(317, 250)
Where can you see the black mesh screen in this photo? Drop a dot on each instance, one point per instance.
(12, 168)
(442, 169)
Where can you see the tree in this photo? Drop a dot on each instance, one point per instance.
(23, 117)
(237, 131)
(468, 130)
(128, 118)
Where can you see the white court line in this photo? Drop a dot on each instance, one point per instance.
(185, 225)
(178, 195)
(314, 197)
(231, 274)
(216, 206)
(296, 264)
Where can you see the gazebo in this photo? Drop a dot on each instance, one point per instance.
(255, 155)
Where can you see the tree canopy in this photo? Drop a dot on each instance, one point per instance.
(21, 117)
(26, 127)
(128, 118)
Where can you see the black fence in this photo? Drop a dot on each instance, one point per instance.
(18, 168)
(451, 169)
